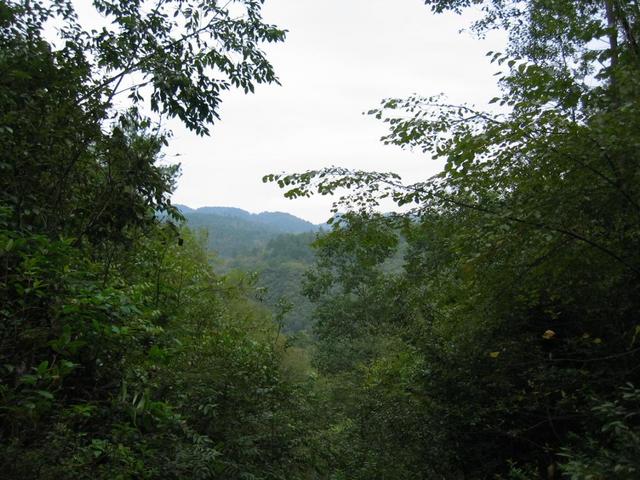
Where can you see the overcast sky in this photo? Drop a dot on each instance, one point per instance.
(340, 58)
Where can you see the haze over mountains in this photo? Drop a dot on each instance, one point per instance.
(235, 232)
(274, 245)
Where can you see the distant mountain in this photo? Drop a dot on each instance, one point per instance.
(286, 222)
(281, 265)
(280, 221)
(223, 211)
(275, 245)
(235, 232)
(184, 209)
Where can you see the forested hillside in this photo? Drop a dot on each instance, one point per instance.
(233, 232)
(280, 269)
(273, 249)
(490, 331)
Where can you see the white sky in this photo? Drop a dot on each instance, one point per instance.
(340, 58)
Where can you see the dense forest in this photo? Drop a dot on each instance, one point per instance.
(270, 249)
(490, 331)
(233, 233)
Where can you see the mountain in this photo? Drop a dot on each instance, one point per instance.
(286, 222)
(275, 245)
(234, 232)
(281, 265)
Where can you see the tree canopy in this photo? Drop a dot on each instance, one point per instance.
(488, 330)
(515, 319)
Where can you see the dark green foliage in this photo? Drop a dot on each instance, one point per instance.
(490, 332)
(145, 379)
(515, 314)
(122, 354)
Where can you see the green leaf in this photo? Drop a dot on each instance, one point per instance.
(45, 394)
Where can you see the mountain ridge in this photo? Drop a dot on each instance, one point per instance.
(233, 232)
(284, 222)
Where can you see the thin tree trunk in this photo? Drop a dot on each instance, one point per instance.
(612, 29)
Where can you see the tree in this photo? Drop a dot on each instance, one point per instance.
(525, 248)
(70, 162)
(106, 305)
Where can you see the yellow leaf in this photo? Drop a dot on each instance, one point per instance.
(494, 354)
(549, 334)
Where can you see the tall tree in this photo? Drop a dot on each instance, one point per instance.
(525, 247)
(122, 355)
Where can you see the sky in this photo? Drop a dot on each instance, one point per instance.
(340, 59)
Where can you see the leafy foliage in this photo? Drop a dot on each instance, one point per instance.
(521, 274)
(122, 354)
(503, 344)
